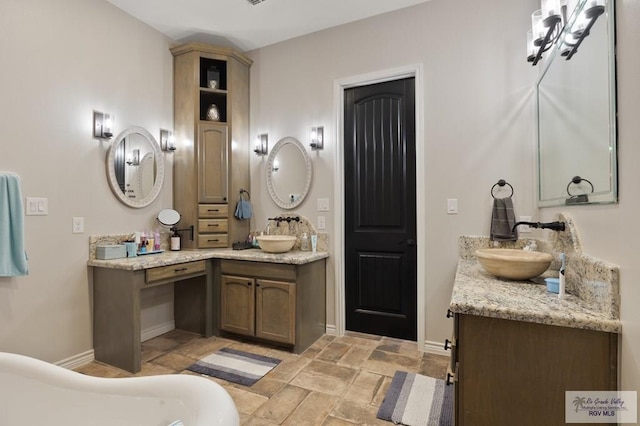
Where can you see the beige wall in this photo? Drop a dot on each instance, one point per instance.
(477, 117)
(60, 60)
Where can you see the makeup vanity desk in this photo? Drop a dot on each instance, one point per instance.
(118, 283)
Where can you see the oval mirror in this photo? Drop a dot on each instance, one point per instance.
(289, 173)
(168, 217)
(135, 167)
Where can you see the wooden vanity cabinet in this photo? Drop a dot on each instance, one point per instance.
(207, 173)
(279, 303)
(513, 372)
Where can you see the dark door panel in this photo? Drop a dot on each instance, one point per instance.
(380, 209)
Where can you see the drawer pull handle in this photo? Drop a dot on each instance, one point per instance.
(214, 225)
(449, 377)
(180, 269)
(213, 241)
(447, 344)
(213, 210)
(449, 313)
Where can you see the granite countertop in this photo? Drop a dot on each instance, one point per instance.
(294, 257)
(475, 292)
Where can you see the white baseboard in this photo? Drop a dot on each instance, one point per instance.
(435, 348)
(76, 361)
(331, 330)
(157, 330)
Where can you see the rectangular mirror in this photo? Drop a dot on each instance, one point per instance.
(576, 117)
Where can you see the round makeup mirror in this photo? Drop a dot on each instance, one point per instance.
(168, 217)
(135, 167)
(289, 173)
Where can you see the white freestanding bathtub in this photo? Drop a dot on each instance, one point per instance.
(34, 392)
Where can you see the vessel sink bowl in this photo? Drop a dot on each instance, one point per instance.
(276, 243)
(514, 264)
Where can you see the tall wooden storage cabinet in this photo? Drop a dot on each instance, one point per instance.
(211, 161)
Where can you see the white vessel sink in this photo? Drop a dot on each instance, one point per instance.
(276, 243)
(514, 264)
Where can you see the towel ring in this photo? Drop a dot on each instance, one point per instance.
(502, 183)
(577, 180)
(243, 191)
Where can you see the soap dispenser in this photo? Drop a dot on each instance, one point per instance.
(304, 242)
(175, 240)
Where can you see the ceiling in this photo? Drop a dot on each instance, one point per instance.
(244, 26)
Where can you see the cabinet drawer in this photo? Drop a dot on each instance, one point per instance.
(212, 226)
(279, 271)
(212, 210)
(212, 240)
(175, 271)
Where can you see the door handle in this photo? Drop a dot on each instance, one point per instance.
(410, 242)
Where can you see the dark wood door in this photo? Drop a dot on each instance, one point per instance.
(380, 209)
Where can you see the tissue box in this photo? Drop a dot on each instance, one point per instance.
(114, 251)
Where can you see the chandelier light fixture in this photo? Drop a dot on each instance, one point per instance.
(557, 21)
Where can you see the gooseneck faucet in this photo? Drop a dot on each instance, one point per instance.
(555, 226)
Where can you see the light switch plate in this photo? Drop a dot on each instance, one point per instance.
(452, 206)
(37, 206)
(323, 205)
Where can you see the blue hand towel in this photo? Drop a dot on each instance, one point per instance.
(13, 258)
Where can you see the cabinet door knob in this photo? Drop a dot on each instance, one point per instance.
(447, 344)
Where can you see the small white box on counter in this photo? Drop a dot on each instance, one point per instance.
(113, 251)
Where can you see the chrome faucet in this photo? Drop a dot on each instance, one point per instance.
(555, 226)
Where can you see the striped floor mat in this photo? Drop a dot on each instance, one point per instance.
(417, 400)
(235, 366)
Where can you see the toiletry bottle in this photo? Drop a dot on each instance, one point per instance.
(175, 240)
(314, 243)
(561, 286)
(304, 242)
(156, 240)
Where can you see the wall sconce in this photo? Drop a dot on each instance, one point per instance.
(262, 144)
(317, 138)
(549, 25)
(167, 141)
(134, 159)
(102, 125)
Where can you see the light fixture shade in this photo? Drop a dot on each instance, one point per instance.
(537, 27)
(531, 48)
(550, 8)
(317, 138)
(102, 125)
(262, 144)
(167, 140)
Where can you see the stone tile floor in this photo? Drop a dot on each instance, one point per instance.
(336, 381)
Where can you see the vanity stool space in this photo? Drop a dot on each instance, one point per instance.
(279, 303)
(117, 287)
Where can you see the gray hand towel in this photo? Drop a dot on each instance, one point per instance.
(503, 218)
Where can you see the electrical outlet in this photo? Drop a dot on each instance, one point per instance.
(524, 229)
(322, 222)
(77, 225)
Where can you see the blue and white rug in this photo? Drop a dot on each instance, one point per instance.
(235, 366)
(417, 400)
